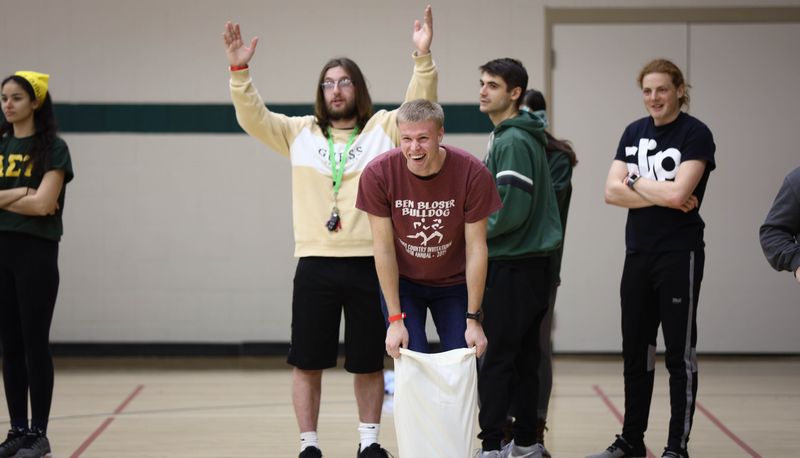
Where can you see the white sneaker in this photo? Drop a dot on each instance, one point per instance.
(505, 452)
(531, 451)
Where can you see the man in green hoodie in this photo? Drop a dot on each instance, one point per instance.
(521, 238)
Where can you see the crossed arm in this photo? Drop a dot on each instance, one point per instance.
(41, 201)
(647, 192)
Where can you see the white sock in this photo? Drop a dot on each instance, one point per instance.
(369, 433)
(308, 439)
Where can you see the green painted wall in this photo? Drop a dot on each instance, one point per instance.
(215, 118)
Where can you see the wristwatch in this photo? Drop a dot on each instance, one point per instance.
(631, 180)
(474, 316)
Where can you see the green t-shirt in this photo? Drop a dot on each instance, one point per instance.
(17, 171)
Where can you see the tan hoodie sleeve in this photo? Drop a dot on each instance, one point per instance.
(424, 85)
(273, 129)
(425, 81)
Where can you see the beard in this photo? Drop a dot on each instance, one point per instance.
(348, 111)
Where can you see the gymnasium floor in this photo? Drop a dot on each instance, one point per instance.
(241, 408)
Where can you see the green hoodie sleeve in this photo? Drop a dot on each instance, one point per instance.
(528, 224)
(513, 171)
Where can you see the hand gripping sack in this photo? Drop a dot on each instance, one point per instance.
(435, 403)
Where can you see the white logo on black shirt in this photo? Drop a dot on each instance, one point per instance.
(661, 166)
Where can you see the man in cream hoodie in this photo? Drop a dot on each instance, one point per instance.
(335, 269)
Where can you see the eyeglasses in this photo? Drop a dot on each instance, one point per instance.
(343, 83)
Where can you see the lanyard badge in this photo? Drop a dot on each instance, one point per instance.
(334, 223)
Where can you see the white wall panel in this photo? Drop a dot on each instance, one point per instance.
(172, 237)
(739, 75)
(595, 96)
(188, 237)
(742, 78)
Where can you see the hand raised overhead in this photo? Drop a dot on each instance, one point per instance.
(423, 33)
(238, 53)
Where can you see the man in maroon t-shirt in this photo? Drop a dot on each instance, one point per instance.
(428, 206)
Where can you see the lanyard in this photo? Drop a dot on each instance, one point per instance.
(337, 168)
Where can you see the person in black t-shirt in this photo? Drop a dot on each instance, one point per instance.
(660, 173)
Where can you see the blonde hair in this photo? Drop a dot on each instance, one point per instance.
(421, 110)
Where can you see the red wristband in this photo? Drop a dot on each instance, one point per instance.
(397, 317)
(236, 68)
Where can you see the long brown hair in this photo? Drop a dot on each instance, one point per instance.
(534, 100)
(362, 99)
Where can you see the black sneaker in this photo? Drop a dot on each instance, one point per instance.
(373, 451)
(621, 449)
(35, 446)
(310, 452)
(13, 442)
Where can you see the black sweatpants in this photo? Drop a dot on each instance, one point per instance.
(514, 303)
(660, 289)
(28, 289)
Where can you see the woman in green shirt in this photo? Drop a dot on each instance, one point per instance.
(34, 169)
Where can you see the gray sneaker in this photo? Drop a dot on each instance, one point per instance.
(515, 451)
(35, 446)
(489, 454)
(13, 442)
(503, 453)
(621, 449)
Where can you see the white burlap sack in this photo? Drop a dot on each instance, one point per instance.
(435, 403)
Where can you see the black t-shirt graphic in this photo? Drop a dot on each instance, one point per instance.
(656, 153)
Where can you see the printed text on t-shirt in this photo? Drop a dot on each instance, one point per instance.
(661, 166)
(428, 219)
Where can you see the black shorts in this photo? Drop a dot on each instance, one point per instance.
(323, 287)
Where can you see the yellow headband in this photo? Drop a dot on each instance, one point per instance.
(39, 83)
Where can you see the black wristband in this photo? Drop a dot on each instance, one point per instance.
(474, 316)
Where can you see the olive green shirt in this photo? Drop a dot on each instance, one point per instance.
(16, 170)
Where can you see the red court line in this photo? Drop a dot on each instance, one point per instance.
(89, 440)
(614, 410)
(608, 403)
(92, 438)
(727, 431)
(127, 401)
